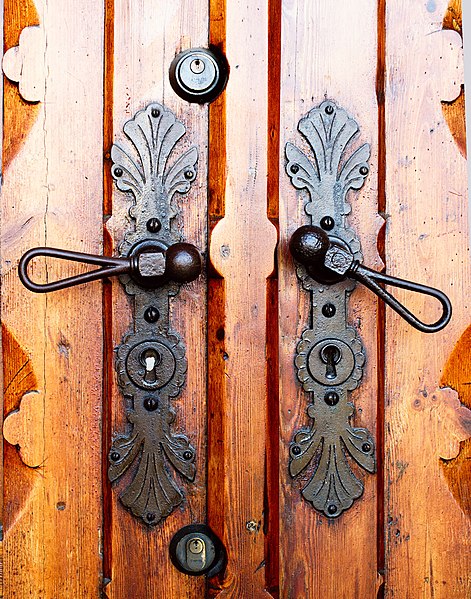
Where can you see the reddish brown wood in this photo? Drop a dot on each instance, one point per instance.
(51, 195)
(321, 557)
(427, 240)
(145, 39)
(242, 245)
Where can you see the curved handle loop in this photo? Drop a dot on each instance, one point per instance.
(370, 279)
(330, 261)
(110, 267)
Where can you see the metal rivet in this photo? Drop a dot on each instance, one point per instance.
(150, 517)
(153, 225)
(294, 168)
(364, 170)
(332, 509)
(329, 109)
(187, 455)
(114, 456)
(155, 112)
(366, 447)
(331, 398)
(118, 172)
(189, 174)
(150, 404)
(151, 314)
(327, 223)
(329, 310)
(296, 450)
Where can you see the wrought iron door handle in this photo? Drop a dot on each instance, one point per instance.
(150, 167)
(329, 260)
(150, 265)
(330, 167)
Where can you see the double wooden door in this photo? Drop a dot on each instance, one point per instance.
(80, 70)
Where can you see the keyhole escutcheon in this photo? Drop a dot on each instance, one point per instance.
(151, 359)
(330, 356)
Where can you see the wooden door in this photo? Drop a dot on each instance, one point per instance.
(76, 72)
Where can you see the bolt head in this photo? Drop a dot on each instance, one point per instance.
(151, 404)
(187, 455)
(296, 450)
(153, 225)
(329, 310)
(331, 398)
(151, 315)
(114, 456)
(327, 223)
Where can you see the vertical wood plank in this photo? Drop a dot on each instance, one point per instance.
(427, 241)
(147, 36)
(329, 50)
(52, 195)
(242, 247)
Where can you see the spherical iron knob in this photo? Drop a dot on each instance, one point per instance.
(183, 263)
(309, 245)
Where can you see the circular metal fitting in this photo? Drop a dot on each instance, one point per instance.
(198, 75)
(196, 550)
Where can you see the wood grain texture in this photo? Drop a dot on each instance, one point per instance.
(242, 251)
(18, 115)
(454, 112)
(52, 195)
(329, 50)
(145, 38)
(427, 241)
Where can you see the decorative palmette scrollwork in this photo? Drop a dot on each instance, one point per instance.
(150, 362)
(330, 356)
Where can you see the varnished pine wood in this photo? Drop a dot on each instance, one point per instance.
(329, 50)
(52, 196)
(242, 246)
(146, 37)
(427, 536)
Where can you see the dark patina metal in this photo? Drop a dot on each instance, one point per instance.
(330, 356)
(151, 363)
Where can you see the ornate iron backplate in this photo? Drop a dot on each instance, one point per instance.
(330, 356)
(151, 362)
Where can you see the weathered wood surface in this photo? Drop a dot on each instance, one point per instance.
(428, 531)
(242, 251)
(142, 40)
(328, 51)
(52, 195)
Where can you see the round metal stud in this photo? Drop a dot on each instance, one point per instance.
(151, 314)
(153, 225)
(114, 456)
(329, 310)
(296, 450)
(150, 404)
(366, 447)
(187, 455)
(327, 223)
(331, 398)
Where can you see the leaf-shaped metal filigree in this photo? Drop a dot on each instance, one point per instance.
(323, 452)
(146, 169)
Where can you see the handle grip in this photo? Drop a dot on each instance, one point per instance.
(329, 262)
(152, 266)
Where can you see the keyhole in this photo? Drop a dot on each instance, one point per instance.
(151, 359)
(330, 356)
